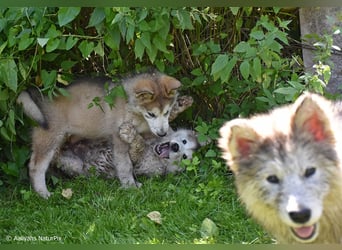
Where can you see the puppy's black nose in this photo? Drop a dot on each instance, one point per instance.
(175, 147)
(301, 216)
(162, 135)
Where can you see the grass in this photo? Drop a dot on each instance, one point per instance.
(99, 211)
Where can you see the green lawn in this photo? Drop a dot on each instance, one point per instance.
(99, 211)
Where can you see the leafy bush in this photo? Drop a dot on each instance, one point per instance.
(233, 61)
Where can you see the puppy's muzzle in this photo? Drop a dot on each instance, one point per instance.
(162, 134)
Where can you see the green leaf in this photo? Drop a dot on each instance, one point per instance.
(144, 26)
(288, 92)
(139, 49)
(53, 32)
(244, 69)
(257, 68)
(220, 62)
(258, 34)
(67, 14)
(160, 65)
(23, 69)
(117, 91)
(184, 19)
(4, 133)
(275, 46)
(67, 65)
(234, 10)
(142, 15)
(86, 48)
(12, 35)
(197, 72)
(164, 29)
(2, 47)
(242, 47)
(267, 24)
(159, 43)
(112, 38)
(211, 153)
(130, 33)
(284, 23)
(152, 53)
(63, 92)
(282, 36)
(52, 44)
(71, 42)
(25, 42)
(326, 73)
(99, 49)
(42, 41)
(266, 57)
(225, 76)
(48, 79)
(297, 85)
(50, 57)
(238, 23)
(4, 95)
(11, 121)
(96, 17)
(276, 10)
(251, 52)
(12, 169)
(118, 17)
(146, 40)
(202, 129)
(8, 73)
(170, 57)
(222, 67)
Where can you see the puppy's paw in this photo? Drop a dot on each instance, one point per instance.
(184, 102)
(44, 194)
(127, 132)
(130, 183)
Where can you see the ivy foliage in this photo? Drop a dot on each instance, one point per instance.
(233, 61)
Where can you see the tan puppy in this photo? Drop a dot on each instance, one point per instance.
(150, 97)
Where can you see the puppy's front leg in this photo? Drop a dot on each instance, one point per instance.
(129, 134)
(124, 166)
(182, 103)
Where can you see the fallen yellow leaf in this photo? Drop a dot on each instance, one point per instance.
(155, 216)
(67, 193)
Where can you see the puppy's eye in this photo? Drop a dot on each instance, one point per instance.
(184, 142)
(309, 172)
(166, 113)
(150, 114)
(272, 179)
(185, 156)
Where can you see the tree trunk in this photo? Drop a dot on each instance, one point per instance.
(317, 20)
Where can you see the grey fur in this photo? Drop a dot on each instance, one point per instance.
(150, 97)
(287, 167)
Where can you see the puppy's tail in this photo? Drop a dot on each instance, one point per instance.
(32, 101)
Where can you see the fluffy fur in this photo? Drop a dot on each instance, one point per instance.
(150, 157)
(150, 97)
(287, 167)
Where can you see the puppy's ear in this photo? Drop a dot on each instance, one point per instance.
(144, 91)
(169, 86)
(311, 119)
(238, 141)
